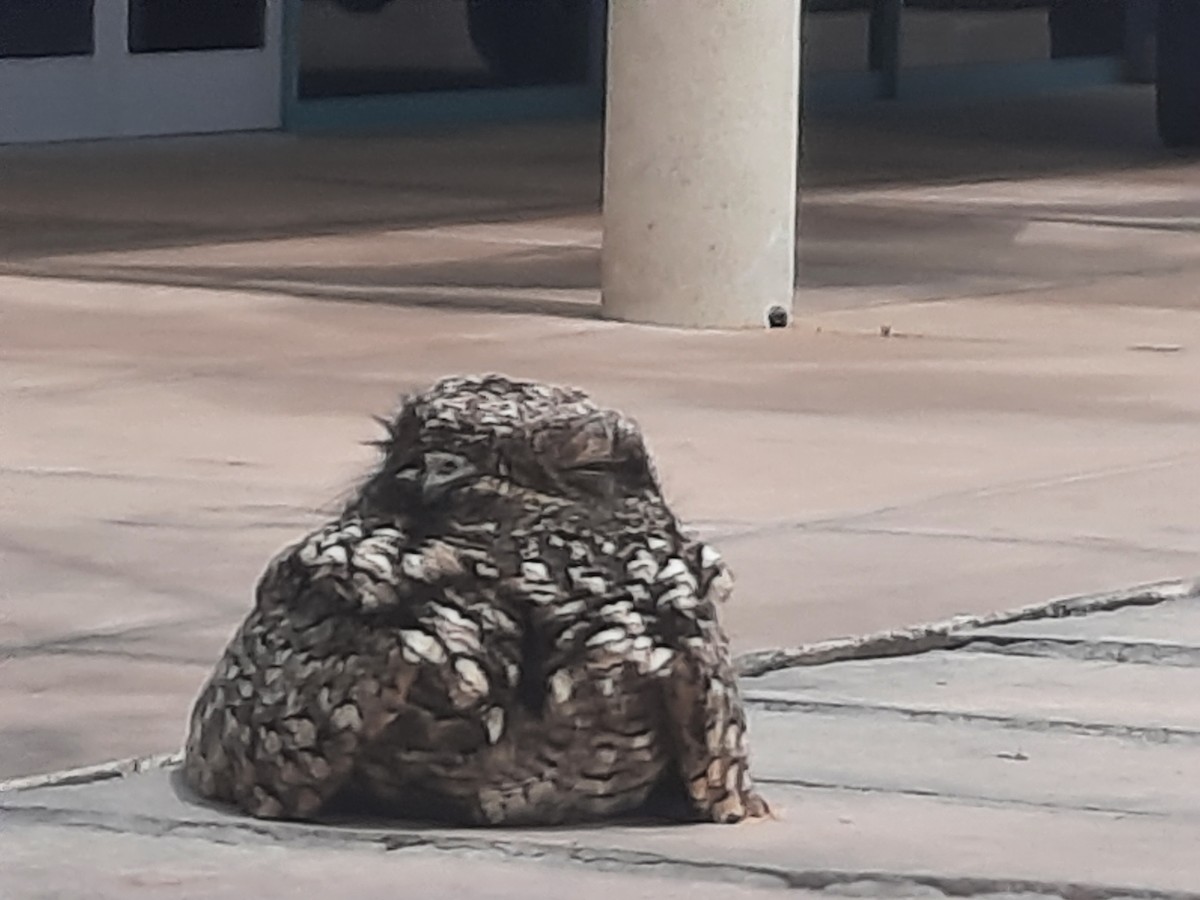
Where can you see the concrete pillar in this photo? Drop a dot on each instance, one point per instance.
(700, 175)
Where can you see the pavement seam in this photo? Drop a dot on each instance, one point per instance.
(80, 651)
(1083, 542)
(72, 642)
(105, 771)
(944, 635)
(835, 882)
(978, 800)
(1151, 734)
(974, 493)
(1138, 653)
(90, 565)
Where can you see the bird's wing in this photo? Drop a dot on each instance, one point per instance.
(351, 625)
(707, 718)
(633, 650)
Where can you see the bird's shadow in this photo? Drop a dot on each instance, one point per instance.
(666, 806)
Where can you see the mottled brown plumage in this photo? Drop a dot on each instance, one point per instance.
(505, 625)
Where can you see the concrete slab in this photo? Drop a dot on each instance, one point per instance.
(48, 607)
(1017, 762)
(1042, 692)
(83, 708)
(857, 575)
(822, 837)
(1101, 511)
(108, 865)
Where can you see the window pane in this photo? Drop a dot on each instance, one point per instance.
(837, 35)
(45, 28)
(941, 32)
(157, 26)
(1087, 27)
(964, 32)
(360, 47)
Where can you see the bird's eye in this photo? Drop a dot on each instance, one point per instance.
(593, 469)
(594, 478)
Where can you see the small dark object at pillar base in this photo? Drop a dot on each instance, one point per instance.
(777, 317)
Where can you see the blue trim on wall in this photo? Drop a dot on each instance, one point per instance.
(837, 90)
(434, 108)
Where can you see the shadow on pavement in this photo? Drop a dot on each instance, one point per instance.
(384, 218)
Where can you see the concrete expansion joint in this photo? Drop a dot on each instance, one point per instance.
(119, 768)
(832, 883)
(947, 634)
(1153, 735)
(1133, 652)
(958, 796)
(884, 885)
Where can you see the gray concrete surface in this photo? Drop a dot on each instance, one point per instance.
(948, 773)
(194, 333)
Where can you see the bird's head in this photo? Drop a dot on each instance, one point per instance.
(436, 473)
(467, 431)
(599, 454)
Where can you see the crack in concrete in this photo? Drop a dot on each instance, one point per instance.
(1143, 653)
(134, 656)
(1152, 734)
(105, 771)
(205, 527)
(947, 635)
(973, 799)
(71, 643)
(832, 881)
(1085, 542)
(86, 565)
(1014, 487)
(103, 475)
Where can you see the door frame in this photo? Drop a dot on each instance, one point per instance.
(113, 93)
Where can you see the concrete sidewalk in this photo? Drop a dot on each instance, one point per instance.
(180, 394)
(1052, 757)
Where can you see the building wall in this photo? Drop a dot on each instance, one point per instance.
(441, 51)
(112, 92)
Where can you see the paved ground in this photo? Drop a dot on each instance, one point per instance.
(193, 334)
(1051, 757)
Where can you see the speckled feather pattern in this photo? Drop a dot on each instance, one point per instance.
(506, 625)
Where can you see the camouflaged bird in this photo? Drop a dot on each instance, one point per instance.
(506, 625)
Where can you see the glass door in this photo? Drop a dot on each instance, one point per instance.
(394, 62)
(74, 69)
